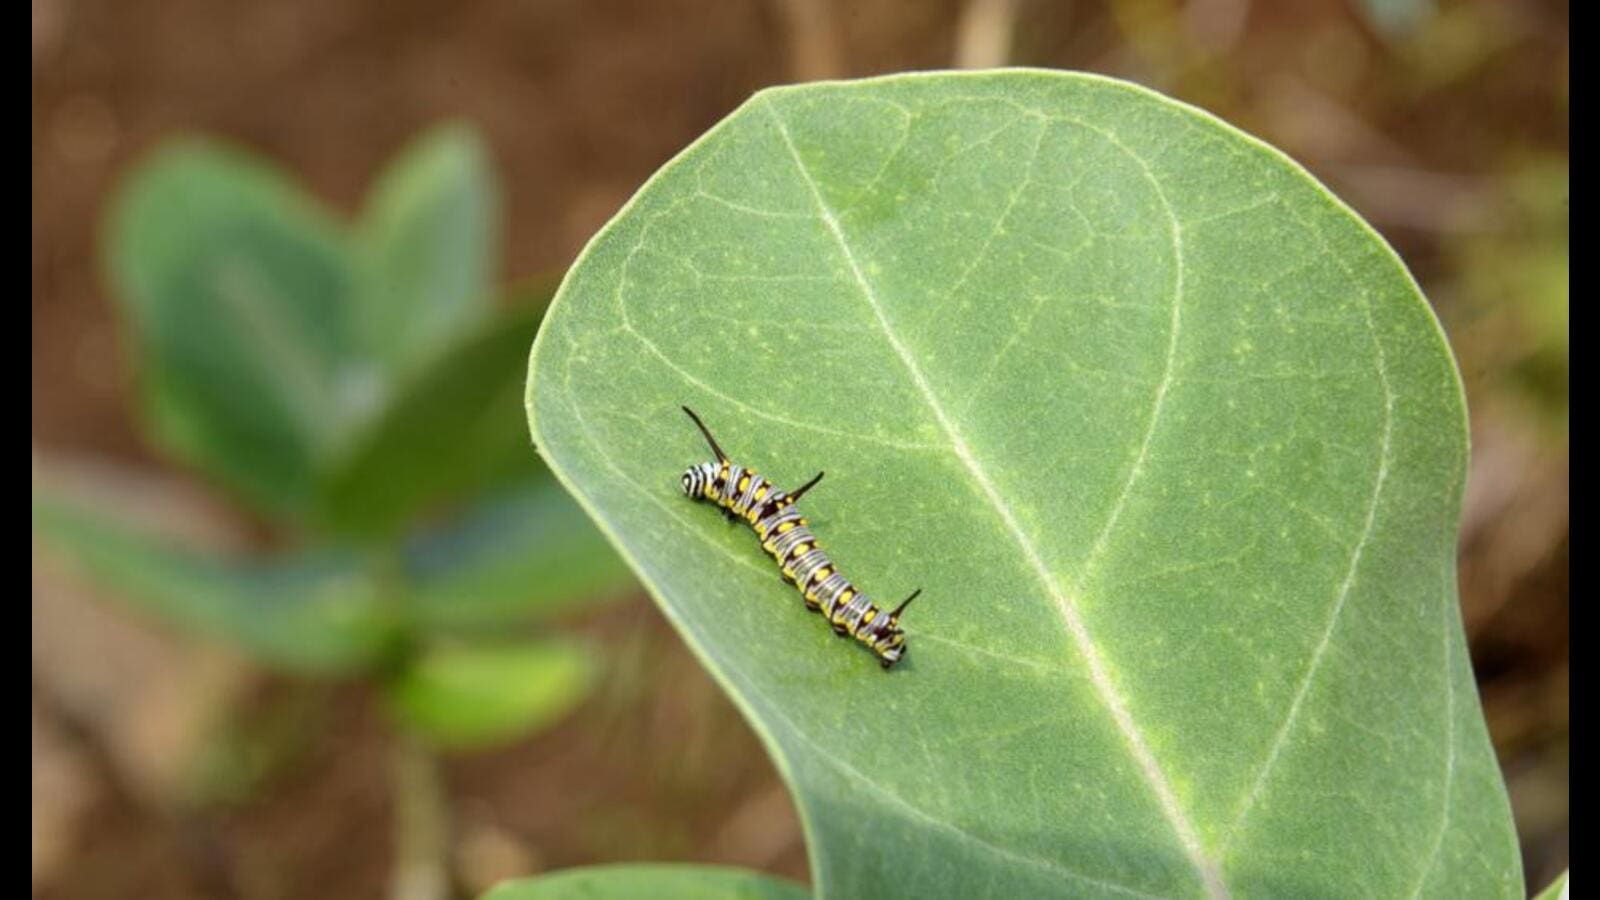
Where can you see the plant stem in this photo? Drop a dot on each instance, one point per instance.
(421, 824)
(418, 797)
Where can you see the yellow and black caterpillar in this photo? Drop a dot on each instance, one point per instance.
(786, 536)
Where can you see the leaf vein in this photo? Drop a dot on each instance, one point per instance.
(872, 786)
(1319, 653)
(1101, 679)
(1169, 365)
(621, 299)
(1449, 759)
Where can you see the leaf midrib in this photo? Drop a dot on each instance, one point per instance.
(774, 709)
(1150, 768)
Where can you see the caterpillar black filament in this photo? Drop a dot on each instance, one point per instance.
(787, 538)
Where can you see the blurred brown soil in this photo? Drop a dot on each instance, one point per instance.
(580, 102)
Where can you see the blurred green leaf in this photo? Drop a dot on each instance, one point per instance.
(235, 288)
(524, 555)
(314, 613)
(269, 341)
(659, 882)
(1557, 890)
(427, 242)
(478, 695)
(455, 428)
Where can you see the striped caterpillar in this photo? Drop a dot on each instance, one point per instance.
(787, 538)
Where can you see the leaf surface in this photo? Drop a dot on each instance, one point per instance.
(1167, 435)
(661, 882)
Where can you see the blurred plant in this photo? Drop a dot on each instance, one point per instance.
(1514, 286)
(1395, 18)
(349, 386)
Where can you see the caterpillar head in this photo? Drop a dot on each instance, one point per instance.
(697, 480)
(891, 646)
(887, 639)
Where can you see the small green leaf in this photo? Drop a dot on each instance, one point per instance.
(428, 241)
(1558, 889)
(659, 882)
(521, 556)
(1166, 434)
(314, 613)
(479, 695)
(453, 428)
(235, 288)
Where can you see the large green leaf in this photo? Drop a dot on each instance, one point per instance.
(235, 289)
(659, 882)
(315, 613)
(428, 241)
(1166, 433)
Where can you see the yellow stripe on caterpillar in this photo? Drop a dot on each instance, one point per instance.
(861, 620)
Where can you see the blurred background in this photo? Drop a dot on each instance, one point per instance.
(248, 670)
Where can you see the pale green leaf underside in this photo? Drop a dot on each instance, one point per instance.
(1167, 435)
(1557, 890)
(658, 882)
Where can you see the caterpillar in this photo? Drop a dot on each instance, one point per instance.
(786, 537)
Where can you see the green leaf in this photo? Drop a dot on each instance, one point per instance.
(453, 428)
(525, 555)
(314, 613)
(479, 695)
(1558, 889)
(428, 241)
(235, 290)
(661, 882)
(1167, 435)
